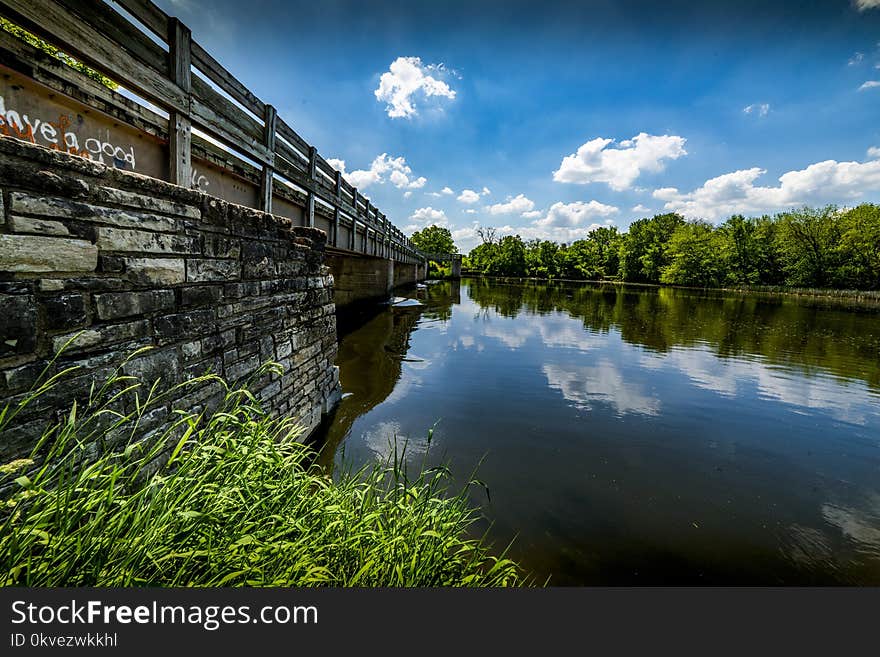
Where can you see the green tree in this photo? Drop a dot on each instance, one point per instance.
(511, 256)
(434, 239)
(743, 250)
(859, 247)
(696, 256)
(582, 260)
(808, 240)
(541, 261)
(607, 248)
(643, 253)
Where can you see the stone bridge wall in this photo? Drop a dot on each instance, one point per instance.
(119, 261)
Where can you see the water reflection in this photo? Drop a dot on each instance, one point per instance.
(635, 435)
(584, 386)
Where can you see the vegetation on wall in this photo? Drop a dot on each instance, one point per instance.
(37, 42)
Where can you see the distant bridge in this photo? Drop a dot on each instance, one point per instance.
(201, 128)
(454, 258)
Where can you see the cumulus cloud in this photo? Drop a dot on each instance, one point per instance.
(761, 109)
(570, 215)
(864, 5)
(620, 166)
(640, 208)
(870, 84)
(395, 168)
(874, 153)
(563, 222)
(468, 196)
(426, 217)
(405, 79)
(518, 204)
(467, 238)
(736, 192)
(485, 191)
(447, 190)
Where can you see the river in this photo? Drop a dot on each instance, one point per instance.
(634, 435)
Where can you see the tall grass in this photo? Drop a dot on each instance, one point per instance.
(228, 498)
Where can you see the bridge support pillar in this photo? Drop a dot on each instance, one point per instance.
(456, 267)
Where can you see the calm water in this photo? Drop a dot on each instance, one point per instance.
(636, 435)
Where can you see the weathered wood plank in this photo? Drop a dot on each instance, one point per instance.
(105, 20)
(290, 135)
(41, 67)
(268, 171)
(56, 24)
(179, 126)
(207, 119)
(215, 71)
(227, 114)
(148, 14)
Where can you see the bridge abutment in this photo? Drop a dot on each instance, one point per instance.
(107, 262)
(359, 278)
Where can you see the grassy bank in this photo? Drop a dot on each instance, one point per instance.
(870, 297)
(222, 499)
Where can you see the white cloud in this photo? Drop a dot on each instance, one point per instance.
(396, 168)
(870, 84)
(733, 193)
(468, 196)
(570, 215)
(405, 78)
(641, 208)
(856, 59)
(874, 152)
(407, 194)
(761, 109)
(470, 211)
(485, 191)
(447, 190)
(466, 238)
(532, 214)
(864, 5)
(426, 217)
(619, 167)
(518, 204)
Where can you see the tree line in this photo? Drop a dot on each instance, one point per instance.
(809, 247)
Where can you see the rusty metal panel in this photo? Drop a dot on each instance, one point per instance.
(34, 113)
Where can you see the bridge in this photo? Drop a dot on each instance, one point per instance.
(177, 212)
(200, 128)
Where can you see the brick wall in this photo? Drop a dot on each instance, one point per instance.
(113, 261)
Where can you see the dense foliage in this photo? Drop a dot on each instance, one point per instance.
(37, 42)
(227, 500)
(434, 239)
(809, 247)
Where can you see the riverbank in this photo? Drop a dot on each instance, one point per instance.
(869, 297)
(222, 498)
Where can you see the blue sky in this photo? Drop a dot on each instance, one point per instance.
(549, 118)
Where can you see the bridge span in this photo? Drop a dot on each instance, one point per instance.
(175, 216)
(199, 128)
